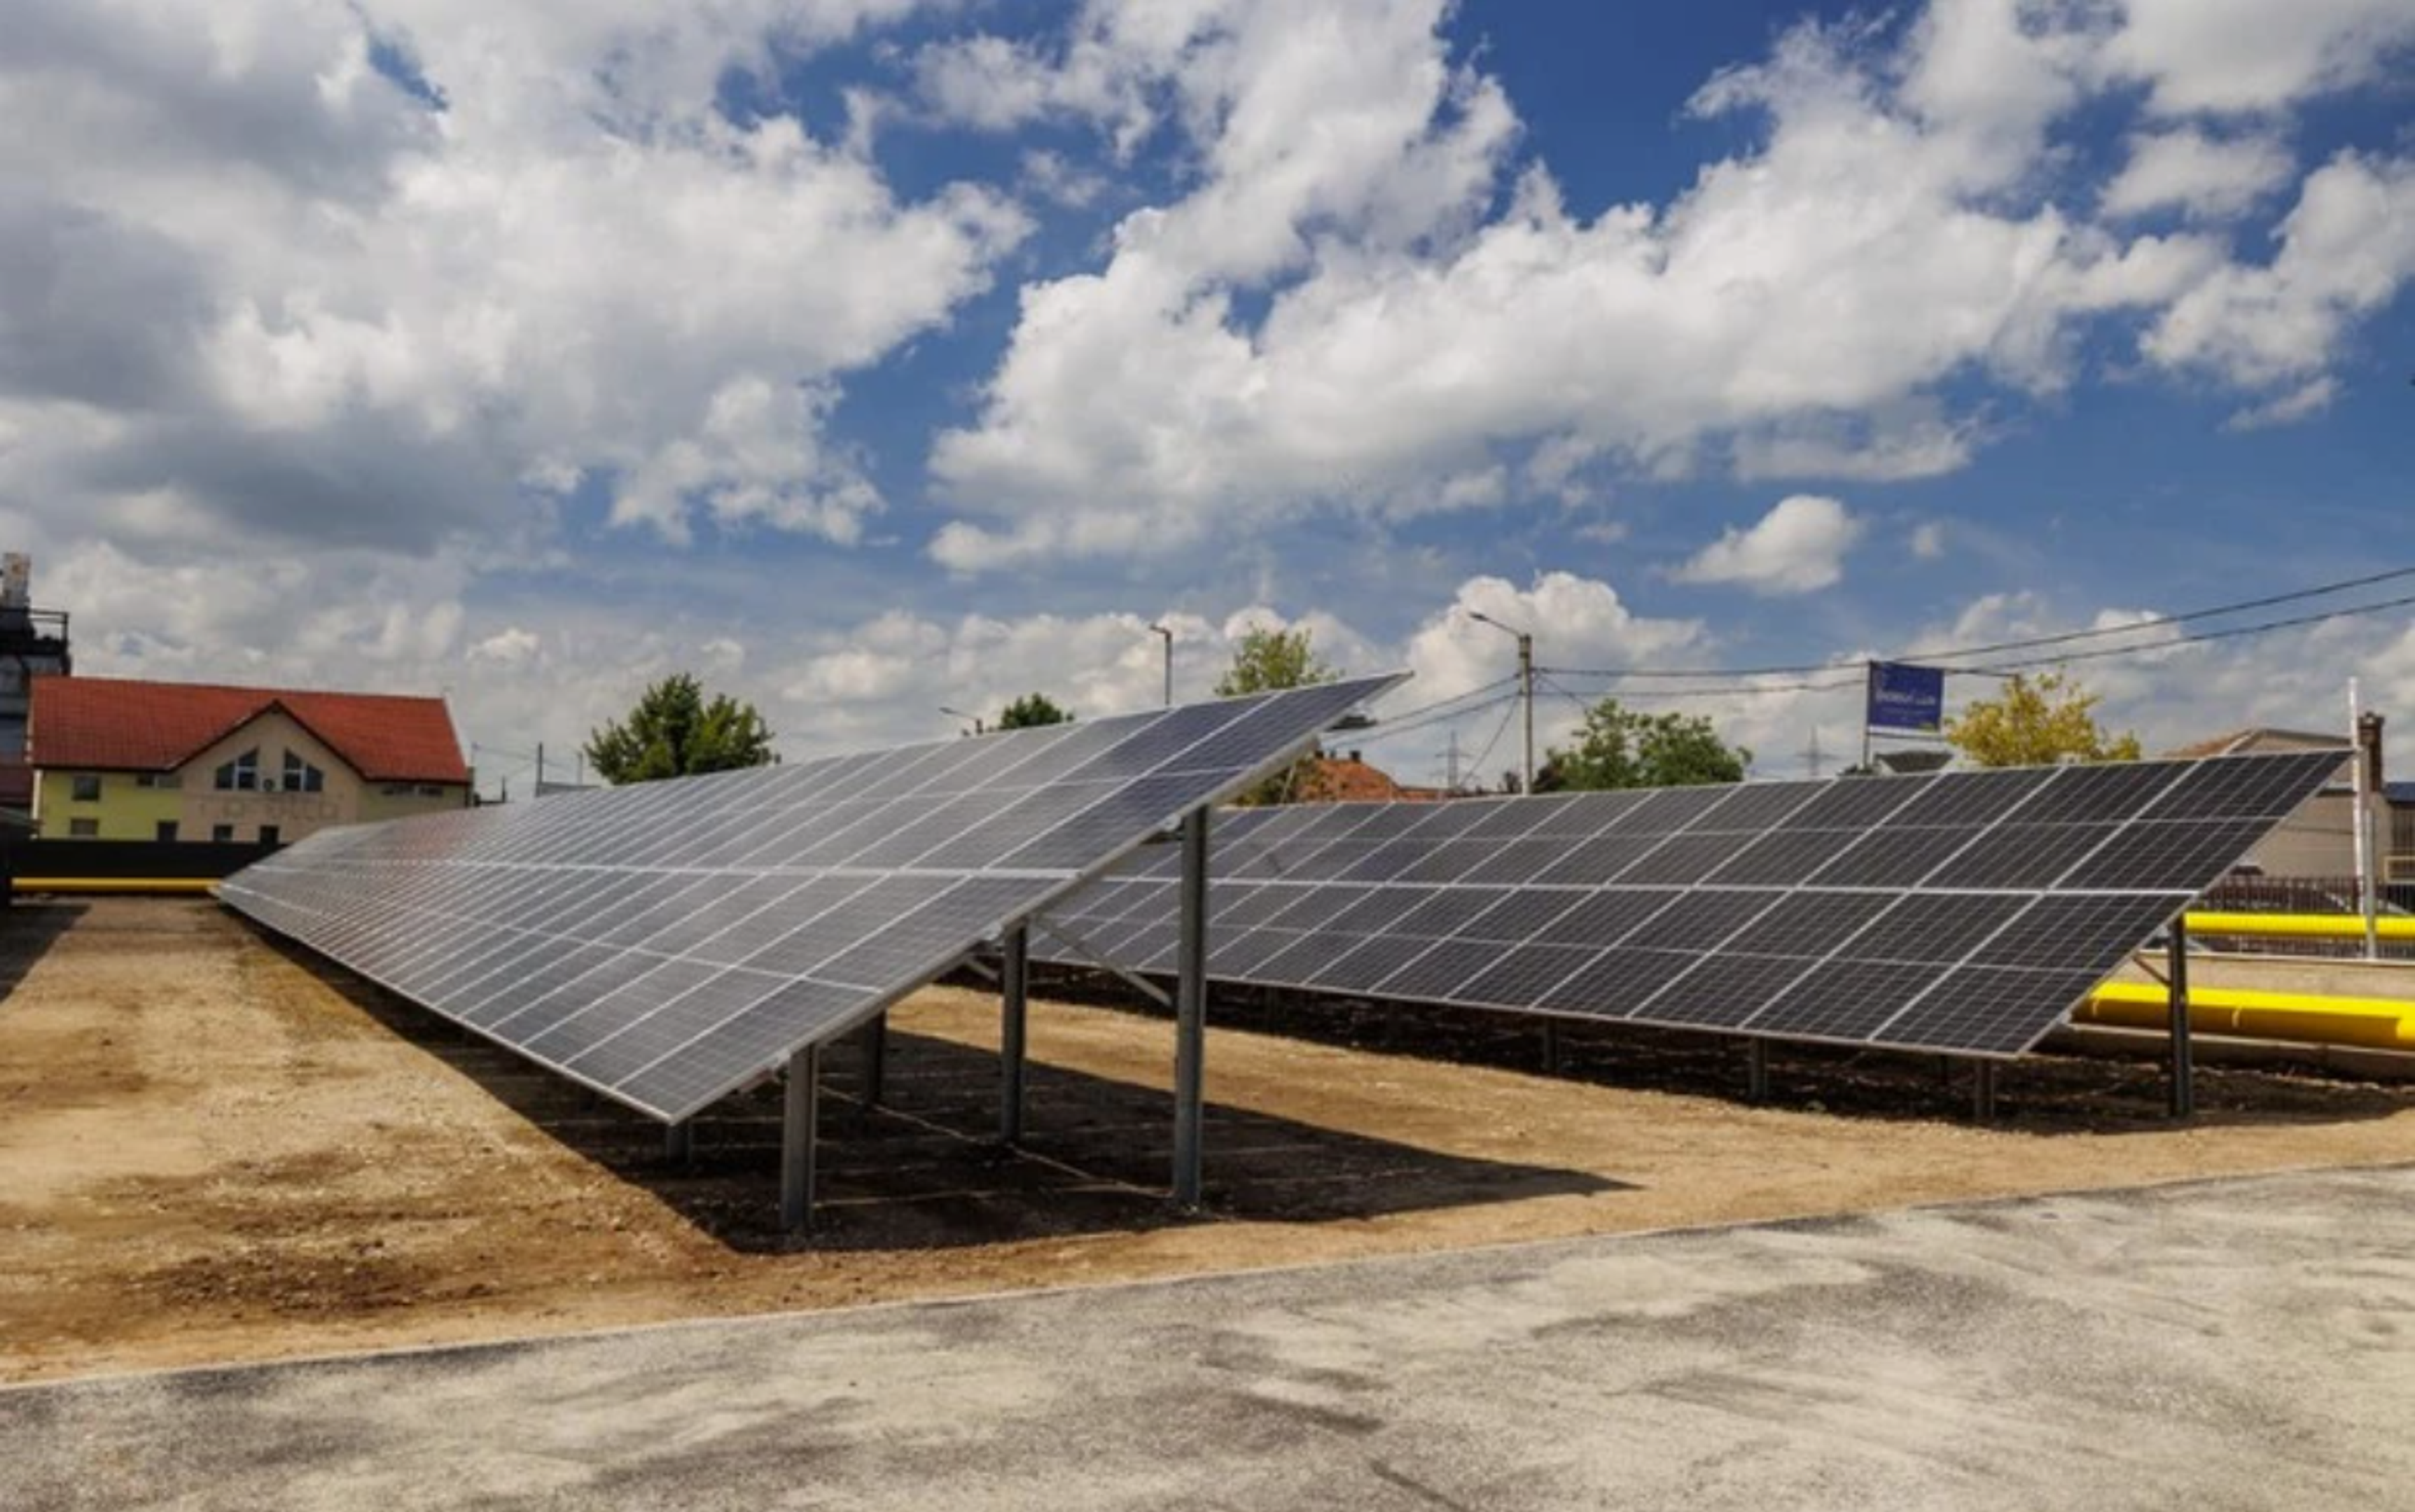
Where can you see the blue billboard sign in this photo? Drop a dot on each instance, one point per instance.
(1907, 698)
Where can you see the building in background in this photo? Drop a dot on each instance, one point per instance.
(2320, 840)
(120, 759)
(33, 643)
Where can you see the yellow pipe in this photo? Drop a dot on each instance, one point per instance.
(2375, 1022)
(116, 884)
(2300, 926)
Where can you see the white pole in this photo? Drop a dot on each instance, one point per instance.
(2362, 825)
(1526, 685)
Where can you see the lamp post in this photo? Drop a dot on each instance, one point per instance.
(1167, 631)
(958, 713)
(1525, 691)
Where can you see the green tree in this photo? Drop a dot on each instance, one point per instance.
(1621, 747)
(1267, 660)
(676, 731)
(1032, 709)
(2037, 722)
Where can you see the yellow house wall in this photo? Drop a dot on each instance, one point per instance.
(126, 812)
(130, 813)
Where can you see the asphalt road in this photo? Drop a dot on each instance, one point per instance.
(2246, 1344)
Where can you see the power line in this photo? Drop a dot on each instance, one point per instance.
(2028, 643)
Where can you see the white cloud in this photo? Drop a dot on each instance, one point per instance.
(1405, 336)
(2248, 56)
(1798, 547)
(2201, 176)
(2308, 398)
(2347, 249)
(1927, 540)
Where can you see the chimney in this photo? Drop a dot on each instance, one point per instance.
(1353, 758)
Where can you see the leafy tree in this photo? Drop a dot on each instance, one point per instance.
(1269, 660)
(1034, 710)
(2037, 723)
(676, 731)
(1621, 747)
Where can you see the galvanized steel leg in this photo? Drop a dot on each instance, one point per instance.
(1983, 1092)
(1756, 1070)
(1191, 1011)
(1552, 1047)
(2183, 1064)
(1015, 984)
(800, 1115)
(679, 1141)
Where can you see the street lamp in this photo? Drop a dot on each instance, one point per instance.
(958, 713)
(1167, 631)
(1526, 689)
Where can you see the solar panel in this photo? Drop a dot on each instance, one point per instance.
(666, 943)
(1961, 912)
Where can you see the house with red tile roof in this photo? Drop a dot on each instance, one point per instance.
(117, 758)
(1347, 779)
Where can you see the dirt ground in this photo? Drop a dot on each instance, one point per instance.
(213, 1149)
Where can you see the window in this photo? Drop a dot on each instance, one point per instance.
(166, 831)
(241, 776)
(301, 777)
(84, 829)
(86, 786)
(156, 780)
(431, 790)
(268, 835)
(222, 832)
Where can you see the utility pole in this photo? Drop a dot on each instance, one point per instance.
(540, 769)
(1525, 691)
(1167, 631)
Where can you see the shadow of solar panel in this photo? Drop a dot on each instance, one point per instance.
(1933, 929)
(1810, 923)
(2150, 855)
(1843, 1000)
(1617, 983)
(2013, 855)
(1725, 990)
(2240, 787)
(1988, 1010)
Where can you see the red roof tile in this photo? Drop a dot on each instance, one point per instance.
(123, 724)
(1347, 780)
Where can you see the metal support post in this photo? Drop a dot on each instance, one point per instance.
(1552, 1061)
(679, 1142)
(875, 1061)
(1191, 1011)
(1756, 1070)
(1015, 985)
(1983, 1092)
(800, 1115)
(2183, 1065)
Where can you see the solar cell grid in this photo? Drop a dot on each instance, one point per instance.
(1726, 990)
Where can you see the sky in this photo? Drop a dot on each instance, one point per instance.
(874, 357)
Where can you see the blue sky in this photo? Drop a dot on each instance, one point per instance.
(868, 355)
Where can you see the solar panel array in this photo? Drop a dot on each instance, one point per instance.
(667, 942)
(1963, 912)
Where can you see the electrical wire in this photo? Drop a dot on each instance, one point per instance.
(2065, 638)
(1498, 730)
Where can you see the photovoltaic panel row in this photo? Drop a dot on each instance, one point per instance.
(1958, 911)
(667, 942)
